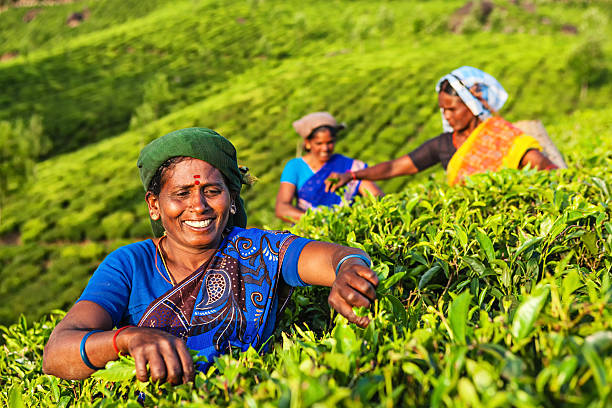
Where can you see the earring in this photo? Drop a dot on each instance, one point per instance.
(155, 217)
(233, 208)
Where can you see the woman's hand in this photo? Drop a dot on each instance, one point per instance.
(337, 180)
(355, 286)
(166, 355)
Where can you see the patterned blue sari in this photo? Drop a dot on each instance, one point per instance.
(230, 301)
(313, 194)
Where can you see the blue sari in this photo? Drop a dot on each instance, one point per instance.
(313, 194)
(232, 300)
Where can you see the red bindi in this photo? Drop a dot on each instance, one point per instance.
(196, 176)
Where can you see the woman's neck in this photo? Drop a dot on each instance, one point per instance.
(314, 163)
(460, 136)
(180, 261)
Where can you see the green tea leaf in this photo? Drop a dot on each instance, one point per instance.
(399, 310)
(428, 275)
(15, 398)
(457, 316)
(485, 244)
(118, 370)
(528, 311)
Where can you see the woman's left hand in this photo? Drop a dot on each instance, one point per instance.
(355, 286)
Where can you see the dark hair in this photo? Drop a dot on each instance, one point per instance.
(446, 87)
(158, 179)
(332, 131)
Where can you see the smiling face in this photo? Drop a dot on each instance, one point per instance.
(193, 204)
(321, 145)
(456, 113)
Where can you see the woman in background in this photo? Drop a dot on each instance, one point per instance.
(475, 140)
(303, 178)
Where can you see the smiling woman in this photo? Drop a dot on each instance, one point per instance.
(205, 282)
(303, 177)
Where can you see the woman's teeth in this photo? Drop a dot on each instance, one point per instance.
(199, 224)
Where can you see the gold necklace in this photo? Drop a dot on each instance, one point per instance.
(161, 255)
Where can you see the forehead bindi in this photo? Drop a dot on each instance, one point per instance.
(195, 172)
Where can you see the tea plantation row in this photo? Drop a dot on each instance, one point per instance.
(497, 293)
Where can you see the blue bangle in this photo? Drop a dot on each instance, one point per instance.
(84, 353)
(362, 257)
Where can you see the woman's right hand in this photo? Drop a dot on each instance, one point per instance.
(336, 180)
(167, 356)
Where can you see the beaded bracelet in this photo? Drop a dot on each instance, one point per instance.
(360, 256)
(115, 337)
(84, 353)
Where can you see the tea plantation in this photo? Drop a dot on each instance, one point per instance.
(496, 293)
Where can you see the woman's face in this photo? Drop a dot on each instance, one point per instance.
(193, 204)
(456, 113)
(321, 145)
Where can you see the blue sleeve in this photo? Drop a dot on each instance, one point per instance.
(289, 269)
(290, 172)
(110, 285)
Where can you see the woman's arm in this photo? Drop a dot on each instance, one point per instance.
(284, 209)
(355, 284)
(389, 169)
(537, 160)
(167, 356)
(368, 186)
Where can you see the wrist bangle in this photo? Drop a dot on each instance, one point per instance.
(84, 353)
(115, 337)
(362, 257)
(353, 175)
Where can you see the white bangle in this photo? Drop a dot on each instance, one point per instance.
(360, 256)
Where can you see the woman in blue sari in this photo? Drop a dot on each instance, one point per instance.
(205, 282)
(303, 178)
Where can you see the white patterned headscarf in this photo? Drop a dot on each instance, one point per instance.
(462, 79)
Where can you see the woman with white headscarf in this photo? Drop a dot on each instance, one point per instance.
(475, 139)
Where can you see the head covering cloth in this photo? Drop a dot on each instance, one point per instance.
(200, 143)
(307, 124)
(464, 78)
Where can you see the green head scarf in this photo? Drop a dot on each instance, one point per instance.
(199, 143)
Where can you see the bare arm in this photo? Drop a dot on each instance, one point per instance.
(537, 160)
(368, 186)
(167, 356)
(284, 208)
(385, 170)
(355, 284)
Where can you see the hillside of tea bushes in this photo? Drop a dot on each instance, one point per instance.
(497, 292)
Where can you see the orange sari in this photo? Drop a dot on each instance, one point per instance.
(493, 145)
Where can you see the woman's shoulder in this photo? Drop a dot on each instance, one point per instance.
(296, 162)
(133, 252)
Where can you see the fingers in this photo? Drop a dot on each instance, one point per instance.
(166, 356)
(355, 286)
(370, 276)
(346, 310)
(186, 363)
(330, 181)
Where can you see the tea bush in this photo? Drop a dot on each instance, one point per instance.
(496, 293)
